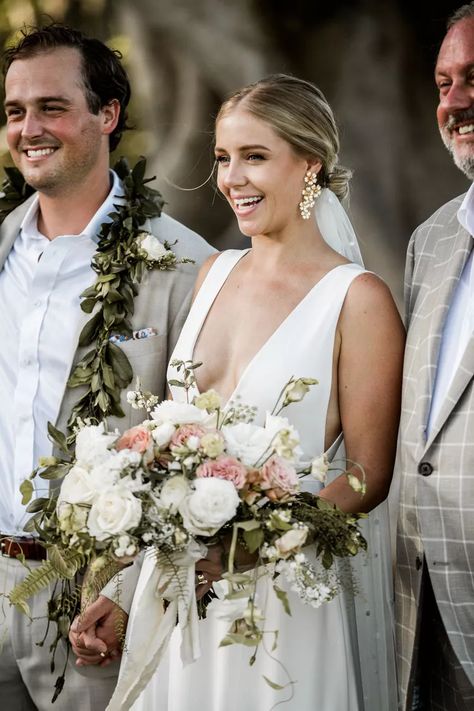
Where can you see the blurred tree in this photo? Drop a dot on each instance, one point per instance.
(373, 59)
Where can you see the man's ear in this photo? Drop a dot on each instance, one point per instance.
(110, 116)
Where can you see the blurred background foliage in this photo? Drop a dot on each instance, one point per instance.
(374, 60)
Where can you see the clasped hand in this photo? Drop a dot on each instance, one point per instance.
(94, 634)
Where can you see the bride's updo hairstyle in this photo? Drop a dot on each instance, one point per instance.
(299, 113)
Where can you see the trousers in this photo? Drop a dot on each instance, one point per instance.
(26, 681)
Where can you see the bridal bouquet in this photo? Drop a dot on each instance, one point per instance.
(191, 475)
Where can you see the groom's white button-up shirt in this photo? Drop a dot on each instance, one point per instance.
(459, 324)
(40, 323)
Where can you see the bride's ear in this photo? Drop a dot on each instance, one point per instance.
(314, 165)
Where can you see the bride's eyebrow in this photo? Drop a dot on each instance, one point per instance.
(256, 147)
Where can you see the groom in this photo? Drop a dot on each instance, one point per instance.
(435, 556)
(66, 98)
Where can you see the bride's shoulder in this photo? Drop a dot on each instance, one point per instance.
(368, 299)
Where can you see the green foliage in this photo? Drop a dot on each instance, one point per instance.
(60, 566)
(26, 491)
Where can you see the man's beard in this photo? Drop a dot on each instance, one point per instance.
(463, 157)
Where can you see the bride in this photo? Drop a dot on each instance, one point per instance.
(294, 305)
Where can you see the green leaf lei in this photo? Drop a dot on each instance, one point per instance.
(120, 263)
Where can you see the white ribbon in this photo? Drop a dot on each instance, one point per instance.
(150, 626)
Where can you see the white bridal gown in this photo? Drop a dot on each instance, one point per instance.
(335, 665)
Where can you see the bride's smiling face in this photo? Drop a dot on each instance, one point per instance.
(259, 173)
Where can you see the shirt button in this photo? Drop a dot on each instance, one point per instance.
(418, 562)
(37, 303)
(425, 469)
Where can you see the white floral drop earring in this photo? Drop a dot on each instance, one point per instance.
(310, 193)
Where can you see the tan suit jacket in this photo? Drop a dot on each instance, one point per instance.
(162, 303)
(436, 518)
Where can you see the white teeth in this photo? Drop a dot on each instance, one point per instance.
(39, 152)
(466, 129)
(240, 202)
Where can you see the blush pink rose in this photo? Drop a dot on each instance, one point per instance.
(224, 468)
(138, 439)
(183, 433)
(278, 479)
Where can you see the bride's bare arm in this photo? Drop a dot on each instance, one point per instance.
(369, 386)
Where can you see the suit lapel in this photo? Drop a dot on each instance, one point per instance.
(461, 380)
(451, 254)
(10, 229)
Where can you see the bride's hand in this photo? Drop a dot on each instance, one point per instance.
(211, 568)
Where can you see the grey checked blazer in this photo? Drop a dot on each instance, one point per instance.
(436, 517)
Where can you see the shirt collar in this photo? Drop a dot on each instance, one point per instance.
(466, 211)
(29, 225)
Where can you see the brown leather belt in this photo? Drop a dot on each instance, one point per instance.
(29, 547)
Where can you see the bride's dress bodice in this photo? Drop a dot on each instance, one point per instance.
(302, 346)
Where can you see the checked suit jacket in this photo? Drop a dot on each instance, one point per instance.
(436, 515)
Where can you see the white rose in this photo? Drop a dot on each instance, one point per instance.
(162, 434)
(114, 511)
(210, 506)
(291, 541)
(319, 468)
(178, 413)
(173, 491)
(93, 444)
(78, 487)
(151, 246)
(119, 461)
(107, 473)
(247, 442)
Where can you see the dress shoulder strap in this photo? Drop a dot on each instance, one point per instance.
(216, 277)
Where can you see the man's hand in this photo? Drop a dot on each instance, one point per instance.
(93, 634)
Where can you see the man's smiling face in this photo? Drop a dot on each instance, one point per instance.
(53, 137)
(455, 80)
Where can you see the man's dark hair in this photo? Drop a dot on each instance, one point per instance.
(464, 12)
(103, 75)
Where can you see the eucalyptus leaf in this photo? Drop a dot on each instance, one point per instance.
(253, 539)
(57, 471)
(26, 491)
(37, 505)
(58, 438)
(273, 684)
(283, 597)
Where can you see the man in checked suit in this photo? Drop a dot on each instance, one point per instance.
(435, 544)
(66, 101)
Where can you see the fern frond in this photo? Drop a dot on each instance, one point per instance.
(62, 565)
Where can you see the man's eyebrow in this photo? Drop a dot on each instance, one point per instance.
(40, 100)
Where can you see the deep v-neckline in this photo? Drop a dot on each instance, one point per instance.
(269, 340)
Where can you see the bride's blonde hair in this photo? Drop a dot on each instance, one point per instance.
(300, 114)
